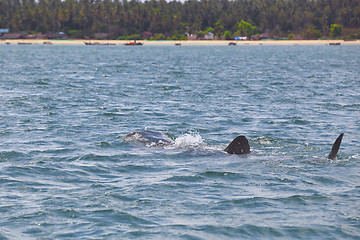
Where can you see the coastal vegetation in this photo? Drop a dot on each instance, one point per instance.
(160, 19)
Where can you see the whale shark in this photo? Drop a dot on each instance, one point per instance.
(240, 145)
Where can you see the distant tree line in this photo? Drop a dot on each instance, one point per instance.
(172, 19)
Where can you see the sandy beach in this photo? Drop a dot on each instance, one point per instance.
(182, 43)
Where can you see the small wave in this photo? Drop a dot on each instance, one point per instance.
(11, 155)
(248, 202)
(41, 82)
(264, 140)
(103, 144)
(184, 179)
(4, 132)
(215, 174)
(302, 199)
(169, 87)
(110, 215)
(243, 231)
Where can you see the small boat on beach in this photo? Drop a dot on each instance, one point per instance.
(134, 43)
(336, 44)
(232, 43)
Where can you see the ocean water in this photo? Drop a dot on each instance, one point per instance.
(67, 173)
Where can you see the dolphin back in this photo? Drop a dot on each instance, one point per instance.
(335, 147)
(240, 145)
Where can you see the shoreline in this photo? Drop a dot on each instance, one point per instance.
(182, 42)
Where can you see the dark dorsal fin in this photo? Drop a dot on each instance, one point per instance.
(335, 147)
(239, 145)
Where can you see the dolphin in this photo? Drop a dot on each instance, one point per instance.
(240, 145)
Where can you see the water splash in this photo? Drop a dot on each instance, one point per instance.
(188, 141)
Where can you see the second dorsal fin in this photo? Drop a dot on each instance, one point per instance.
(335, 147)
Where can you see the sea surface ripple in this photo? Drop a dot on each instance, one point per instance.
(67, 173)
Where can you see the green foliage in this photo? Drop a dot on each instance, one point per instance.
(218, 29)
(351, 36)
(76, 34)
(335, 30)
(227, 35)
(130, 37)
(291, 36)
(177, 36)
(42, 28)
(81, 18)
(209, 29)
(201, 34)
(244, 29)
(311, 32)
(160, 36)
(134, 37)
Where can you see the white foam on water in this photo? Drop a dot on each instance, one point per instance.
(188, 141)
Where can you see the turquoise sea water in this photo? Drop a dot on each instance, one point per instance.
(67, 173)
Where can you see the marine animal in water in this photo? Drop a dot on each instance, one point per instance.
(240, 145)
(150, 138)
(335, 147)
